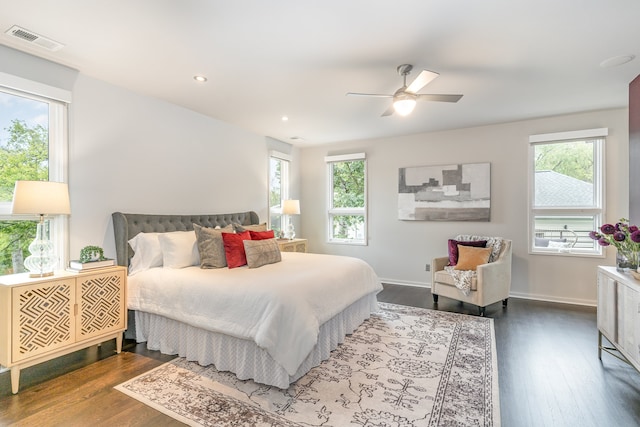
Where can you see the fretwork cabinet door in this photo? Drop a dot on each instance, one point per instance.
(101, 304)
(43, 315)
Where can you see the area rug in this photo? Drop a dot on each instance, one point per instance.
(403, 367)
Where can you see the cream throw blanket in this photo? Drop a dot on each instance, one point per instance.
(463, 278)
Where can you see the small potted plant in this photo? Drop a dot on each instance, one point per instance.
(91, 257)
(91, 254)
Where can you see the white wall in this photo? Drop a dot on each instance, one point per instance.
(136, 154)
(399, 250)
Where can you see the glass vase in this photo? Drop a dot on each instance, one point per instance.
(626, 261)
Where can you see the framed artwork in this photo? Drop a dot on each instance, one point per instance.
(458, 192)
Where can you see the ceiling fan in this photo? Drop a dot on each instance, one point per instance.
(405, 98)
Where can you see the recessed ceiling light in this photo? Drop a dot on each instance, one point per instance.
(200, 79)
(296, 138)
(285, 118)
(617, 60)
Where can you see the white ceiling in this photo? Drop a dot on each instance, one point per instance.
(512, 60)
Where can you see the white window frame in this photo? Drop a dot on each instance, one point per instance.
(285, 183)
(58, 100)
(598, 137)
(331, 211)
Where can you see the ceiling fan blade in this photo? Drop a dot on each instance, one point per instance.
(379, 95)
(439, 98)
(423, 79)
(389, 111)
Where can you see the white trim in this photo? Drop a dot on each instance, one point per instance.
(558, 300)
(35, 88)
(285, 187)
(597, 211)
(345, 157)
(565, 136)
(516, 295)
(385, 281)
(331, 211)
(57, 101)
(280, 155)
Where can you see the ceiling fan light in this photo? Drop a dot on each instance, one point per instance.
(404, 106)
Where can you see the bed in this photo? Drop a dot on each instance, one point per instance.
(271, 324)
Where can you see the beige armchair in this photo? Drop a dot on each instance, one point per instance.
(492, 283)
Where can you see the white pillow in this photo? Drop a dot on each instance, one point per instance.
(179, 249)
(147, 252)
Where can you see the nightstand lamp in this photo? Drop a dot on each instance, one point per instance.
(290, 207)
(41, 198)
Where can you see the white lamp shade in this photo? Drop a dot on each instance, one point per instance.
(41, 198)
(291, 207)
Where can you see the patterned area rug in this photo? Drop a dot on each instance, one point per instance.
(403, 367)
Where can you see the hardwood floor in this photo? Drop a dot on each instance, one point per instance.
(548, 365)
(84, 396)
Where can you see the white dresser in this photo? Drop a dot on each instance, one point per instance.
(619, 314)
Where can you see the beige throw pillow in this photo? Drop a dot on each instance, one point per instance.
(254, 227)
(262, 252)
(469, 257)
(211, 246)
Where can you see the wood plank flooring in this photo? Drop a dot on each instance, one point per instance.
(548, 364)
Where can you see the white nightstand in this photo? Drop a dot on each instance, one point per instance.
(293, 245)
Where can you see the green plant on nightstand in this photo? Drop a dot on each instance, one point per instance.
(91, 253)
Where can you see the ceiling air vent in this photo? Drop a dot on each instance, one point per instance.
(33, 38)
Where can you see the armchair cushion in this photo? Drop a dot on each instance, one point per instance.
(443, 277)
(453, 248)
(471, 257)
(495, 243)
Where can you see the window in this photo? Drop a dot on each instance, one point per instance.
(347, 215)
(33, 146)
(278, 190)
(566, 191)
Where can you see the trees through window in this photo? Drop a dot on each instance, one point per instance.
(347, 198)
(32, 134)
(278, 190)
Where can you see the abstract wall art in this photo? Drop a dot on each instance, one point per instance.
(456, 192)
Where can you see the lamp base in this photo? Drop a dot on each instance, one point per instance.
(291, 232)
(42, 260)
(47, 274)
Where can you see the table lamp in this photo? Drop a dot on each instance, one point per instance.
(290, 207)
(41, 198)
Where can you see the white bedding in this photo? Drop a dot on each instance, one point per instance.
(278, 306)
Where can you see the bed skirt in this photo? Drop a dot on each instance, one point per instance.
(243, 357)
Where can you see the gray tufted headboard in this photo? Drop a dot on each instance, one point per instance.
(126, 226)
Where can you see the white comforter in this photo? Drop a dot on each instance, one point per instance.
(279, 306)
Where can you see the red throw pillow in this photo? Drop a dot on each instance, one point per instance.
(262, 235)
(234, 248)
(453, 248)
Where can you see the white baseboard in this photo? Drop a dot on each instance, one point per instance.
(406, 283)
(535, 297)
(561, 300)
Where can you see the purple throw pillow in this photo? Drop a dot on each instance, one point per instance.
(453, 248)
